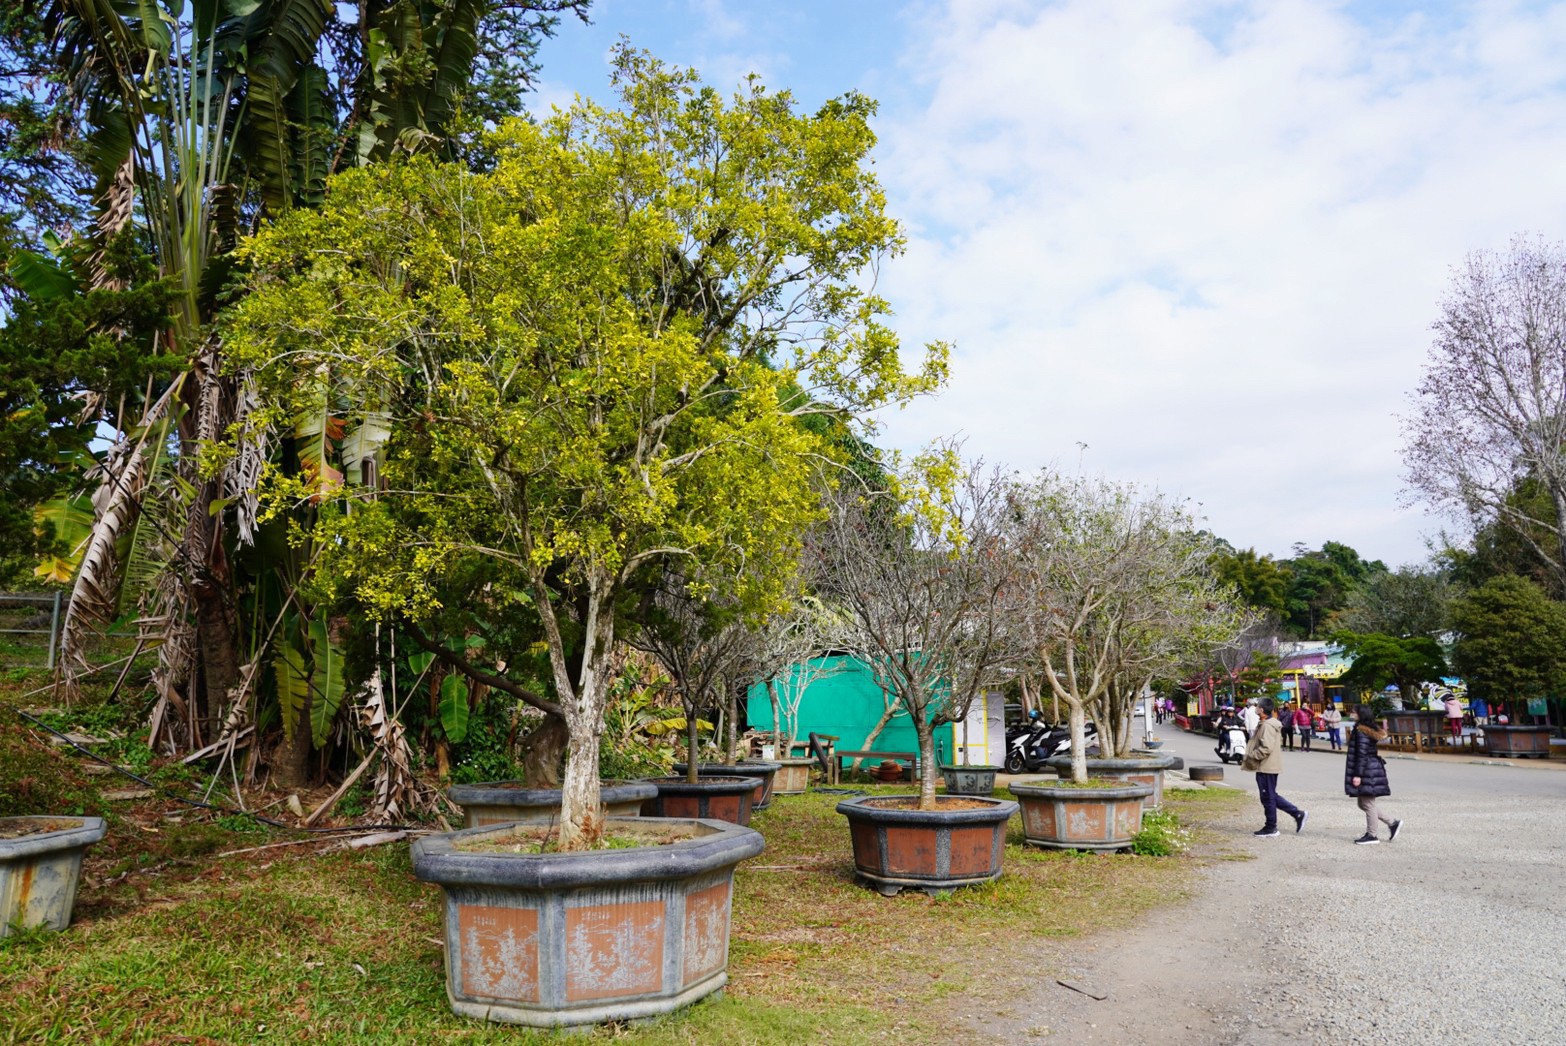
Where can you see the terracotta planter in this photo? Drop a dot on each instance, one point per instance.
(765, 770)
(560, 940)
(507, 802)
(1060, 817)
(39, 870)
(723, 798)
(1524, 741)
(970, 780)
(899, 847)
(793, 776)
(1142, 769)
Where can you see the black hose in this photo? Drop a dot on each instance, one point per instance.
(199, 803)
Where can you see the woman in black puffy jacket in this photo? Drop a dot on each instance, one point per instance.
(1365, 774)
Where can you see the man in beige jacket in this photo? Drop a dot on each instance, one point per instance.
(1264, 758)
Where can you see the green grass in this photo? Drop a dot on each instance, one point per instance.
(175, 942)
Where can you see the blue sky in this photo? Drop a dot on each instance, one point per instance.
(1206, 239)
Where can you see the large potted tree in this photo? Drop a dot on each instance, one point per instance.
(580, 359)
(1117, 592)
(923, 580)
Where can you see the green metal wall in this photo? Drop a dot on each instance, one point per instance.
(845, 702)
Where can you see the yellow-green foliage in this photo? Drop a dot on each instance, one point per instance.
(590, 356)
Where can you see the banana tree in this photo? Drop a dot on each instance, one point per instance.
(200, 118)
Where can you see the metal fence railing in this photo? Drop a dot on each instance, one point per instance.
(23, 613)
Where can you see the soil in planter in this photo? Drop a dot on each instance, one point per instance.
(942, 802)
(1092, 782)
(539, 839)
(518, 786)
(34, 826)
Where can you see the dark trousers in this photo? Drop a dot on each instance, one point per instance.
(1272, 802)
(1305, 733)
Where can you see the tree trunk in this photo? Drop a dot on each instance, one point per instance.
(927, 768)
(733, 735)
(1078, 721)
(581, 799)
(875, 731)
(692, 716)
(784, 747)
(294, 767)
(543, 753)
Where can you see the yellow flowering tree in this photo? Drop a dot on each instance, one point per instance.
(603, 356)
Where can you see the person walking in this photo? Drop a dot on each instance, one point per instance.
(1264, 758)
(1304, 721)
(1454, 718)
(1249, 719)
(1333, 719)
(1365, 775)
(1286, 725)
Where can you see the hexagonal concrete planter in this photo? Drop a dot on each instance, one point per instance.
(559, 940)
(723, 798)
(898, 846)
(1061, 816)
(1526, 741)
(506, 802)
(764, 769)
(40, 867)
(970, 780)
(1138, 769)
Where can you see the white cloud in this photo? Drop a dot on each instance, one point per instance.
(1208, 238)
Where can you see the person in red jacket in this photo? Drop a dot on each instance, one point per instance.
(1304, 720)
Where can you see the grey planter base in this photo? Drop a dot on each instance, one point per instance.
(556, 940)
(39, 873)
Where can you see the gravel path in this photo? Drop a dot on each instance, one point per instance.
(1454, 934)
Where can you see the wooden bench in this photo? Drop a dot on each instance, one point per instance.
(911, 759)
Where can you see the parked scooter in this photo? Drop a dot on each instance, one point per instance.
(1028, 747)
(1231, 741)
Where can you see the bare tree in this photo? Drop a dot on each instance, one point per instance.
(1489, 416)
(1257, 635)
(1118, 592)
(703, 643)
(789, 652)
(925, 584)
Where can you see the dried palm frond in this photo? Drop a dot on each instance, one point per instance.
(242, 474)
(93, 596)
(165, 624)
(396, 788)
(117, 208)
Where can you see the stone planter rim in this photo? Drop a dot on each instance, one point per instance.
(981, 767)
(1523, 727)
(1151, 761)
(713, 784)
(436, 858)
(757, 766)
(497, 793)
(857, 808)
(88, 831)
(1044, 790)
